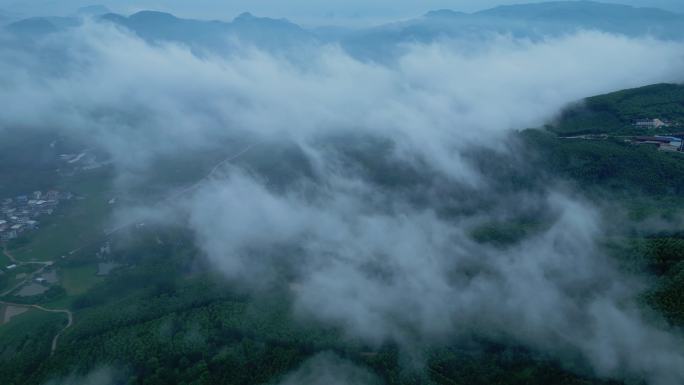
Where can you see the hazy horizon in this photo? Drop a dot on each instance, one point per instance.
(300, 11)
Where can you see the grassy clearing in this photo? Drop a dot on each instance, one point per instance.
(16, 319)
(78, 280)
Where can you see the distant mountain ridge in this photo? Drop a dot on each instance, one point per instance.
(445, 13)
(573, 9)
(536, 20)
(263, 32)
(93, 10)
(32, 26)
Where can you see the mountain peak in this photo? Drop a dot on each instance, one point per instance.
(93, 10)
(245, 16)
(32, 26)
(444, 13)
(153, 15)
(566, 9)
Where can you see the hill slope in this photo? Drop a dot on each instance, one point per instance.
(617, 111)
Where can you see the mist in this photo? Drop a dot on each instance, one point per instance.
(380, 256)
(327, 368)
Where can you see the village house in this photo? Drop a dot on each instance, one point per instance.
(20, 214)
(651, 123)
(663, 143)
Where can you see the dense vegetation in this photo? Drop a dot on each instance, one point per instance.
(158, 324)
(616, 112)
(164, 317)
(611, 164)
(26, 344)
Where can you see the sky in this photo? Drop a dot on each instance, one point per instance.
(303, 11)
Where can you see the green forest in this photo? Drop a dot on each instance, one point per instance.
(616, 112)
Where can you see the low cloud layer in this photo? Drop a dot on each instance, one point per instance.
(328, 369)
(402, 274)
(383, 258)
(106, 84)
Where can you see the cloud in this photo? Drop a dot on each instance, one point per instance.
(329, 369)
(405, 275)
(363, 197)
(140, 101)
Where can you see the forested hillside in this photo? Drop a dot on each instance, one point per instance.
(616, 113)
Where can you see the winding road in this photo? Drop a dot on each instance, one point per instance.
(69, 314)
(29, 277)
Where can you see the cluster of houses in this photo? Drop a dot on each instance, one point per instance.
(665, 142)
(652, 123)
(21, 213)
(671, 142)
